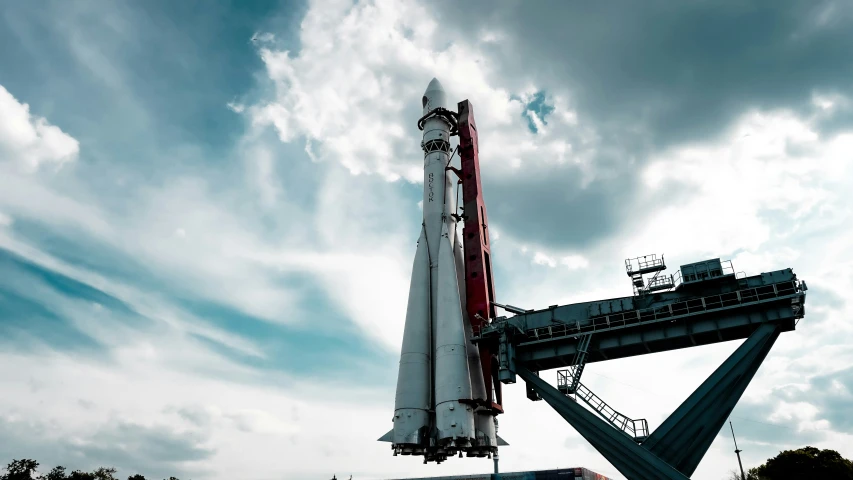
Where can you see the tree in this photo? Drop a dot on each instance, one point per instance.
(136, 477)
(20, 470)
(733, 475)
(104, 473)
(58, 473)
(807, 462)
(78, 475)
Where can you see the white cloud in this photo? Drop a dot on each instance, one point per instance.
(236, 107)
(26, 196)
(727, 194)
(575, 262)
(30, 141)
(245, 424)
(357, 251)
(259, 37)
(540, 258)
(571, 262)
(260, 166)
(354, 87)
(147, 304)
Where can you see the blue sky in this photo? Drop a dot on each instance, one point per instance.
(208, 212)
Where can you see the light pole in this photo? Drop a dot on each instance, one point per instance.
(737, 452)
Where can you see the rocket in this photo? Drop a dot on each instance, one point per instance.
(442, 406)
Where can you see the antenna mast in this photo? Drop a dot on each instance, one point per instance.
(737, 452)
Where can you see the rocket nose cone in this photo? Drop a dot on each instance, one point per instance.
(434, 96)
(434, 84)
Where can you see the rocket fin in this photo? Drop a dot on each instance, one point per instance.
(502, 442)
(388, 437)
(414, 380)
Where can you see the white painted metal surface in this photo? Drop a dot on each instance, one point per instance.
(413, 401)
(440, 370)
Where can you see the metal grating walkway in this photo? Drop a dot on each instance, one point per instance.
(673, 311)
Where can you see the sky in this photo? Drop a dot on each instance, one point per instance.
(209, 210)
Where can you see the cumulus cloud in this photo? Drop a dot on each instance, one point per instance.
(572, 262)
(31, 141)
(353, 89)
(762, 179)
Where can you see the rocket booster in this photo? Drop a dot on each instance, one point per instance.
(440, 381)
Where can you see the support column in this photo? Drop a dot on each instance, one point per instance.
(684, 437)
(632, 460)
(675, 449)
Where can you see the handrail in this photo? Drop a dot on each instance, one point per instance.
(643, 263)
(636, 429)
(673, 311)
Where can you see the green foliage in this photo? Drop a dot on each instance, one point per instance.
(78, 475)
(20, 470)
(24, 470)
(105, 474)
(807, 462)
(58, 473)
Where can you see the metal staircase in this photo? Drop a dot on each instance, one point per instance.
(659, 282)
(576, 370)
(637, 267)
(638, 429)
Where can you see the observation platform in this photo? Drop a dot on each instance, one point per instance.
(705, 302)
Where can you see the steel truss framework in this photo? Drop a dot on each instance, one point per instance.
(675, 448)
(700, 311)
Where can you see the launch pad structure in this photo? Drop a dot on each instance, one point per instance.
(703, 303)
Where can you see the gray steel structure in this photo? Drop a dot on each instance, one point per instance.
(555, 474)
(706, 303)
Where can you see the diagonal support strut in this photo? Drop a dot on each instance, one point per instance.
(684, 437)
(634, 461)
(675, 449)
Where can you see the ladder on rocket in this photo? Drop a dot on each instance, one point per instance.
(568, 382)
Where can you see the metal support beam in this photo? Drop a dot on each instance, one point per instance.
(684, 437)
(632, 460)
(675, 449)
(531, 392)
(506, 359)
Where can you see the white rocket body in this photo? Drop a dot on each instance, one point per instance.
(440, 371)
